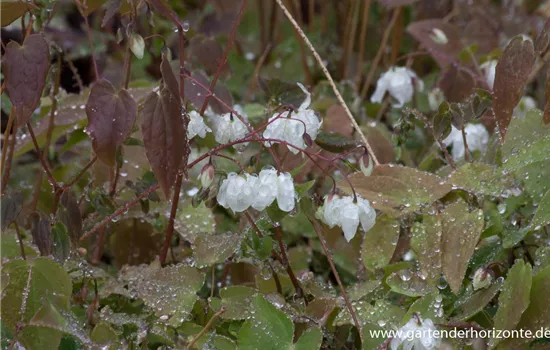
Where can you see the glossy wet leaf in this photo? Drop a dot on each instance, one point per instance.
(10, 249)
(41, 233)
(461, 232)
(542, 215)
(237, 301)
(164, 290)
(426, 242)
(69, 214)
(164, 137)
(212, 249)
(192, 222)
(25, 70)
(335, 143)
(104, 334)
(11, 207)
(111, 117)
(410, 283)
(511, 75)
(310, 339)
(382, 313)
(379, 242)
(369, 338)
(457, 84)
(481, 179)
(429, 306)
(38, 280)
(281, 92)
(396, 190)
(476, 302)
(61, 243)
(514, 298)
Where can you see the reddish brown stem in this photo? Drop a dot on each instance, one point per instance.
(221, 65)
(170, 228)
(286, 264)
(336, 275)
(7, 134)
(98, 252)
(7, 170)
(20, 239)
(51, 179)
(89, 34)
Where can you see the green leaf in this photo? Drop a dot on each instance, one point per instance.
(514, 298)
(212, 249)
(61, 242)
(480, 179)
(382, 313)
(409, 282)
(426, 243)
(38, 280)
(193, 222)
(237, 301)
(9, 247)
(335, 143)
(104, 334)
(163, 289)
(397, 190)
(311, 339)
(379, 242)
(369, 342)
(269, 328)
(429, 306)
(475, 302)
(542, 215)
(461, 232)
(302, 188)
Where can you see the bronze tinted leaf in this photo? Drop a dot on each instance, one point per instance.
(461, 232)
(396, 189)
(25, 69)
(511, 75)
(543, 39)
(206, 51)
(41, 233)
(195, 93)
(164, 136)
(424, 32)
(11, 207)
(69, 214)
(457, 84)
(111, 117)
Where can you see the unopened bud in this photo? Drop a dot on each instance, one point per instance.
(82, 251)
(366, 165)
(307, 139)
(439, 36)
(482, 278)
(207, 175)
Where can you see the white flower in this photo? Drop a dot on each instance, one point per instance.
(482, 279)
(477, 138)
(292, 127)
(400, 83)
(345, 213)
(207, 175)
(236, 192)
(269, 186)
(229, 127)
(526, 104)
(439, 36)
(196, 126)
(435, 98)
(489, 69)
(417, 334)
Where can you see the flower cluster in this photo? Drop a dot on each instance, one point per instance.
(400, 82)
(293, 127)
(477, 138)
(347, 213)
(238, 192)
(417, 334)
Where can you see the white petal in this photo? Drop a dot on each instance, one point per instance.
(307, 101)
(285, 192)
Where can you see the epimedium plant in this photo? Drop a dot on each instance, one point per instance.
(162, 214)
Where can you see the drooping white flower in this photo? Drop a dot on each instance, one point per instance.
(269, 186)
(228, 127)
(482, 279)
(435, 98)
(347, 214)
(196, 126)
(236, 192)
(291, 128)
(477, 138)
(207, 175)
(417, 334)
(526, 104)
(489, 69)
(400, 82)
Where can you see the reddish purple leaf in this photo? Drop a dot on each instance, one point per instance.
(196, 93)
(207, 52)
(41, 233)
(511, 75)
(111, 117)
(25, 69)
(69, 214)
(426, 33)
(457, 84)
(395, 3)
(543, 39)
(164, 135)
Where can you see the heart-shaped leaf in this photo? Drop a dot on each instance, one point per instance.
(164, 136)
(511, 75)
(25, 69)
(111, 117)
(444, 50)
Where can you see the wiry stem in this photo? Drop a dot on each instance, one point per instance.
(331, 81)
(173, 210)
(51, 179)
(336, 275)
(207, 327)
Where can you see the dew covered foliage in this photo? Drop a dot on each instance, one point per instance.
(274, 174)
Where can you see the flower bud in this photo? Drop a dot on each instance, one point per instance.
(439, 36)
(366, 165)
(307, 139)
(207, 175)
(482, 278)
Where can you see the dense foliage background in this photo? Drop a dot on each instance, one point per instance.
(112, 234)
